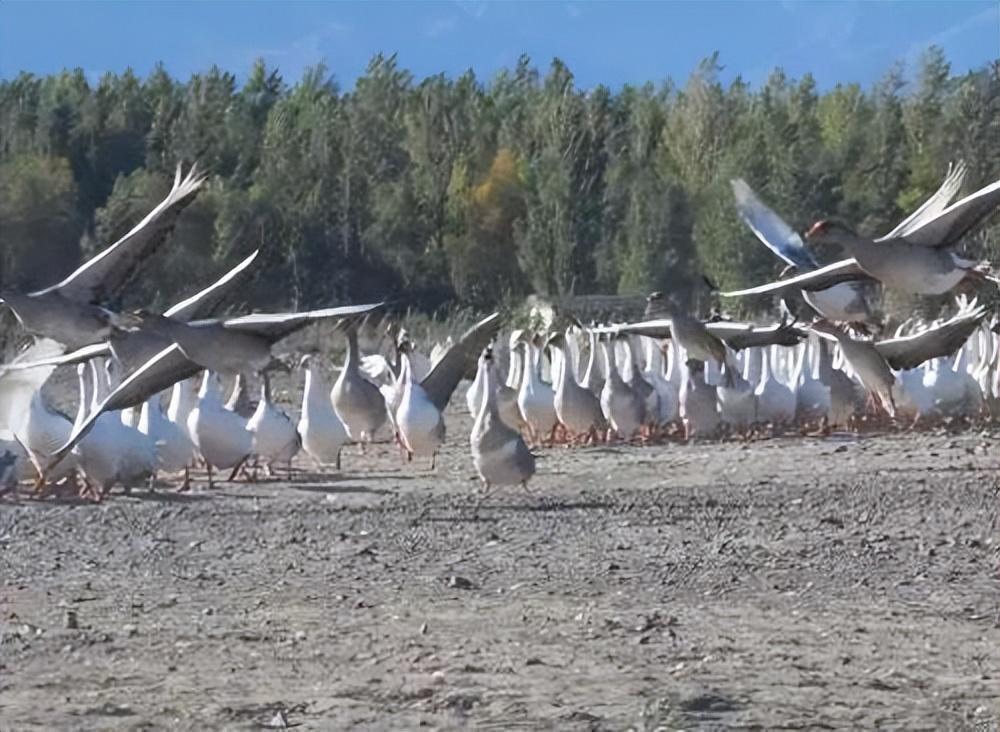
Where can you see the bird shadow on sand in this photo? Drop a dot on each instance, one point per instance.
(329, 489)
(474, 513)
(169, 496)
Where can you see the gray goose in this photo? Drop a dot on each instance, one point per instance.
(73, 312)
(132, 348)
(358, 403)
(232, 346)
(915, 257)
(578, 410)
(866, 361)
(498, 451)
(844, 301)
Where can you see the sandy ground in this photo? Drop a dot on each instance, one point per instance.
(838, 583)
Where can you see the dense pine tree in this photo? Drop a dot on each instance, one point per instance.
(433, 190)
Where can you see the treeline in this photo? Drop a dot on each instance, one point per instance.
(440, 189)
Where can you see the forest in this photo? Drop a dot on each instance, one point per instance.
(439, 191)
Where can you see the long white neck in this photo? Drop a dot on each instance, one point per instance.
(85, 397)
(97, 395)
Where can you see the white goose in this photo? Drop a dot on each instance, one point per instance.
(535, 398)
(136, 451)
(96, 455)
(577, 408)
(219, 434)
(668, 397)
(183, 398)
(323, 434)
(775, 401)
(737, 400)
(25, 414)
(420, 416)
(507, 392)
(812, 396)
(275, 439)
(174, 449)
(699, 402)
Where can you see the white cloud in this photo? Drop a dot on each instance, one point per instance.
(438, 27)
(307, 50)
(473, 8)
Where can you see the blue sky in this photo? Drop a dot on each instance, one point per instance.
(602, 42)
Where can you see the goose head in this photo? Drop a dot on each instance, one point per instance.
(830, 231)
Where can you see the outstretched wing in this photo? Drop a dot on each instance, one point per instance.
(948, 227)
(106, 274)
(80, 355)
(658, 328)
(770, 228)
(460, 361)
(908, 352)
(275, 326)
(934, 205)
(201, 304)
(845, 270)
(162, 371)
(747, 335)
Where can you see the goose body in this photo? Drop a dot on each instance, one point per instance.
(500, 454)
(219, 434)
(323, 434)
(174, 448)
(358, 403)
(623, 408)
(96, 455)
(699, 403)
(865, 360)
(274, 437)
(576, 407)
(135, 452)
(737, 400)
(419, 421)
(775, 401)
(536, 399)
(812, 396)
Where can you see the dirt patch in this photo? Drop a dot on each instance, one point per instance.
(791, 583)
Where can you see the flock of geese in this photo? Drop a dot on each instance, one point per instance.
(152, 402)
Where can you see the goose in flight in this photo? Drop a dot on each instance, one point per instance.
(420, 415)
(703, 341)
(866, 361)
(74, 312)
(844, 301)
(133, 347)
(230, 346)
(915, 257)
(938, 341)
